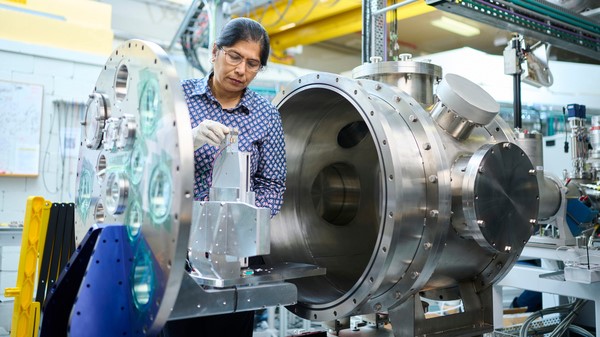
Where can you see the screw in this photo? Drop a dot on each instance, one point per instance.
(427, 245)
(481, 223)
(434, 213)
(413, 118)
(433, 178)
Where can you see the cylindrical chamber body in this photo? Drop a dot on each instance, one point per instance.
(415, 78)
(369, 197)
(550, 194)
(531, 143)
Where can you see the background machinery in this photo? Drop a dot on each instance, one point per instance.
(403, 185)
(411, 199)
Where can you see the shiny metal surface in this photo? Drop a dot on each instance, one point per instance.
(225, 232)
(531, 143)
(497, 190)
(138, 172)
(415, 78)
(550, 194)
(349, 143)
(194, 300)
(462, 106)
(229, 227)
(467, 99)
(262, 274)
(370, 194)
(595, 142)
(579, 148)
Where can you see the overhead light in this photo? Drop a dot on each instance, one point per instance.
(455, 27)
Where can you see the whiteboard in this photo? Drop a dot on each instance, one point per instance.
(20, 124)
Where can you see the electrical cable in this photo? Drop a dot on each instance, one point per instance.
(564, 324)
(308, 13)
(193, 37)
(579, 330)
(570, 309)
(45, 160)
(280, 15)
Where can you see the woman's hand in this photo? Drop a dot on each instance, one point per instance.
(209, 132)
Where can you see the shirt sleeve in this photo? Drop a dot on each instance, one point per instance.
(269, 179)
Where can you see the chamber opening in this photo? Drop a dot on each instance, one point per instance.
(352, 134)
(336, 193)
(330, 214)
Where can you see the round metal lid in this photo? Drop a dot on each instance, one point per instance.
(498, 190)
(467, 99)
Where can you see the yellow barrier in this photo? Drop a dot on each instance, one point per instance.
(26, 313)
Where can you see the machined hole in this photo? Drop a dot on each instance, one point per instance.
(121, 82)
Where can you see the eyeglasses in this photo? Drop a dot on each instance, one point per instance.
(234, 59)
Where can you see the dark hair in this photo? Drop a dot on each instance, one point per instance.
(245, 29)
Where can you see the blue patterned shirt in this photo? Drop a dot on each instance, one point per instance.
(261, 134)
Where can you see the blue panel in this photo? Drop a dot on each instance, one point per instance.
(103, 306)
(94, 296)
(577, 214)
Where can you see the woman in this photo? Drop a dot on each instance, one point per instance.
(216, 104)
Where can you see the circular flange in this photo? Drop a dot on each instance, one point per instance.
(500, 197)
(96, 113)
(142, 177)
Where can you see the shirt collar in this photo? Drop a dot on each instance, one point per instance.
(202, 88)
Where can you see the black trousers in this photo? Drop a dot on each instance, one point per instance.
(238, 324)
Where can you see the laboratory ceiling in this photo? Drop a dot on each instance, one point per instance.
(158, 21)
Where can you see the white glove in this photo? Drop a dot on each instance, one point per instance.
(209, 132)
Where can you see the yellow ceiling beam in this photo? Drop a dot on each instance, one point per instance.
(81, 25)
(286, 13)
(333, 26)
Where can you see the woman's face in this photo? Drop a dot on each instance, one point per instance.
(229, 76)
